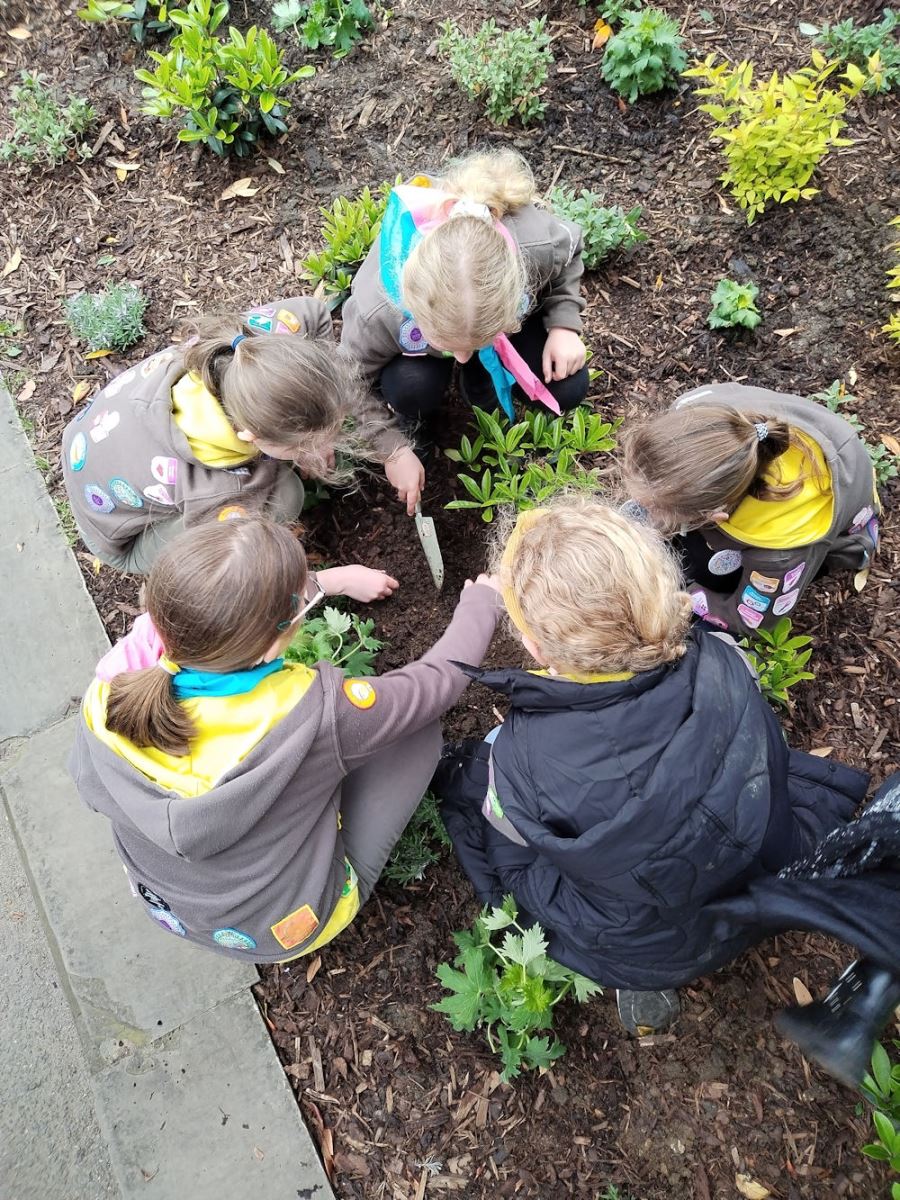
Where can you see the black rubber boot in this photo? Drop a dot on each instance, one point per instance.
(644, 1013)
(839, 1032)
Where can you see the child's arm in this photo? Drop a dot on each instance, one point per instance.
(374, 713)
(562, 303)
(770, 585)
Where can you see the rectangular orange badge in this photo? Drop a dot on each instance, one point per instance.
(296, 927)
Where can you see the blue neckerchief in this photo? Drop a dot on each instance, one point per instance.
(188, 683)
(500, 378)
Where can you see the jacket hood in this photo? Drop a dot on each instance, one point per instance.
(534, 693)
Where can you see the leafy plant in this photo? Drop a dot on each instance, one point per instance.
(836, 398)
(44, 130)
(892, 328)
(339, 638)
(109, 320)
(349, 231)
(336, 24)
(527, 463)
(146, 16)
(734, 304)
(605, 229)
(227, 93)
(510, 990)
(846, 43)
(423, 843)
(505, 70)
(779, 659)
(775, 133)
(882, 1090)
(615, 11)
(66, 519)
(645, 55)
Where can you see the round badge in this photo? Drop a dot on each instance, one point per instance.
(152, 898)
(98, 500)
(232, 513)
(723, 562)
(360, 693)
(125, 493)
(411, 339)
(78, 452)
(524, 305)
(167, 919)
(234, 939)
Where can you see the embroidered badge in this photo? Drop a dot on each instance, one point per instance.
(750, 616)
(154, 900)
(167, 919)
(872, 531)
(260, 321)
(232, 512)
(163, 468)
(785, 603)
(115, 385)
(754, 599)
(723, 562)
(360, 693)
(147, 367)
(792, 576)
(234, 939)
(287, 319)
(103, 425)
(296, 927)
(410, 338)
(764, 583)
(97, 499)
(351, 879)
(524, 305)
(77, 452)
(699, 604)
(861, 519)
(238, 470)
(125, 493)
(157, 492)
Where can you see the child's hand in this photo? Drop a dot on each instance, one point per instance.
(406, 473)
(491, 581)
(564, 354)
(364, 584)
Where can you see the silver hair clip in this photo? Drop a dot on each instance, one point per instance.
(762, 430)
(471, 208)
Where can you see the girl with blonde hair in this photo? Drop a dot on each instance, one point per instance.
(253, 801)
(468, 268)
(761, 492)
(639, 798)
(216, 425)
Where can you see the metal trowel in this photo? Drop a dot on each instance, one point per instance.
(428, 538)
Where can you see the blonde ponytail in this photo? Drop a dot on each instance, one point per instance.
(501, 179)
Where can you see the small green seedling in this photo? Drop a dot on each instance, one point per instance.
(615, 11)
(506, 71)
(836, 398)
(349, 231)
(509, 990)
(644, 55)
(779, 660)
(860, 46)
(734, 306)
(339, 638)
(44, 129)
(424, 842)
(605, 229)
(146, 17)
(336, 25)
(882, 1090)
(109, 320)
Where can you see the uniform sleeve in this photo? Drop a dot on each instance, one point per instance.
(373, 713)
(562, 304)
(209, 491)
(367, 340)
(770, 584)
(298, 314)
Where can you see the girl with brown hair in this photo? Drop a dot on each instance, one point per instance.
(217, 424)
(762, 492)
(254, 802)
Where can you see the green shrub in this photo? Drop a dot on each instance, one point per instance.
(109, 320)
(506, 71)
(339, 638)
(43, 129)
(423, 843)
(882, 1090)
(779, 660)
(615, 11)
(509, 990)
(349, 231)
(836, 398)
(605, 229)
(848, 44)
(335, 24)
(525, 464)
(776, 132)
(734, 305)
(228, 94)
(146, 16)
(644, 55)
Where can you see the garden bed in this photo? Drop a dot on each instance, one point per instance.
(401, 1106)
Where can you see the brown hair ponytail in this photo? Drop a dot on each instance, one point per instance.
(216, 595)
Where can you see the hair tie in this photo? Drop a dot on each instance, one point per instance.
(234, 341)
(762, 430)
(170, 668)
(471, 208)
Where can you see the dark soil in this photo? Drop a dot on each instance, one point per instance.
(401, 1106)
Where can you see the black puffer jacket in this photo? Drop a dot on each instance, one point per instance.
(639, 804)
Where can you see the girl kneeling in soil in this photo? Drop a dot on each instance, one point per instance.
(215, 424)
(468, 268)
(761, 492)
(639, 798)
(254, 802)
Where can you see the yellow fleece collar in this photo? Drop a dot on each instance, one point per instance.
(603, 677)
(202, 420)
